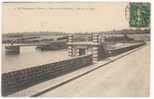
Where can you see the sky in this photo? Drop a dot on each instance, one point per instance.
(64, 17)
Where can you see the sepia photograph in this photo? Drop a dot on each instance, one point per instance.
(76, 49)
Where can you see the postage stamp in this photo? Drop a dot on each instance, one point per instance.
(139, 14)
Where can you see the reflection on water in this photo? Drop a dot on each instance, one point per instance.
(30, 56)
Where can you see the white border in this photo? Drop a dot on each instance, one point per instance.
(152, 36)
(76, 0)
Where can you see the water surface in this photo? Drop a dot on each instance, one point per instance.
(30, 56)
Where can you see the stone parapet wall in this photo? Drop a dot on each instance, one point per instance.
(21, 79)
(118, 51)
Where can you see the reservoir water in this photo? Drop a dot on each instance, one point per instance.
(29, 57)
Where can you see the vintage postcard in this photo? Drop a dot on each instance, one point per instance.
(76, 49)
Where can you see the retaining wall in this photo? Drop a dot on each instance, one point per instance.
(115, 52)
(21, 79)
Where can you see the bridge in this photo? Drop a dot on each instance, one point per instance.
(15, 48)
(20, 45)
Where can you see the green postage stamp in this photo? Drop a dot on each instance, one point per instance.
(139, 15)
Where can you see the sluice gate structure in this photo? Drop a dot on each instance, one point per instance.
(94, 47)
